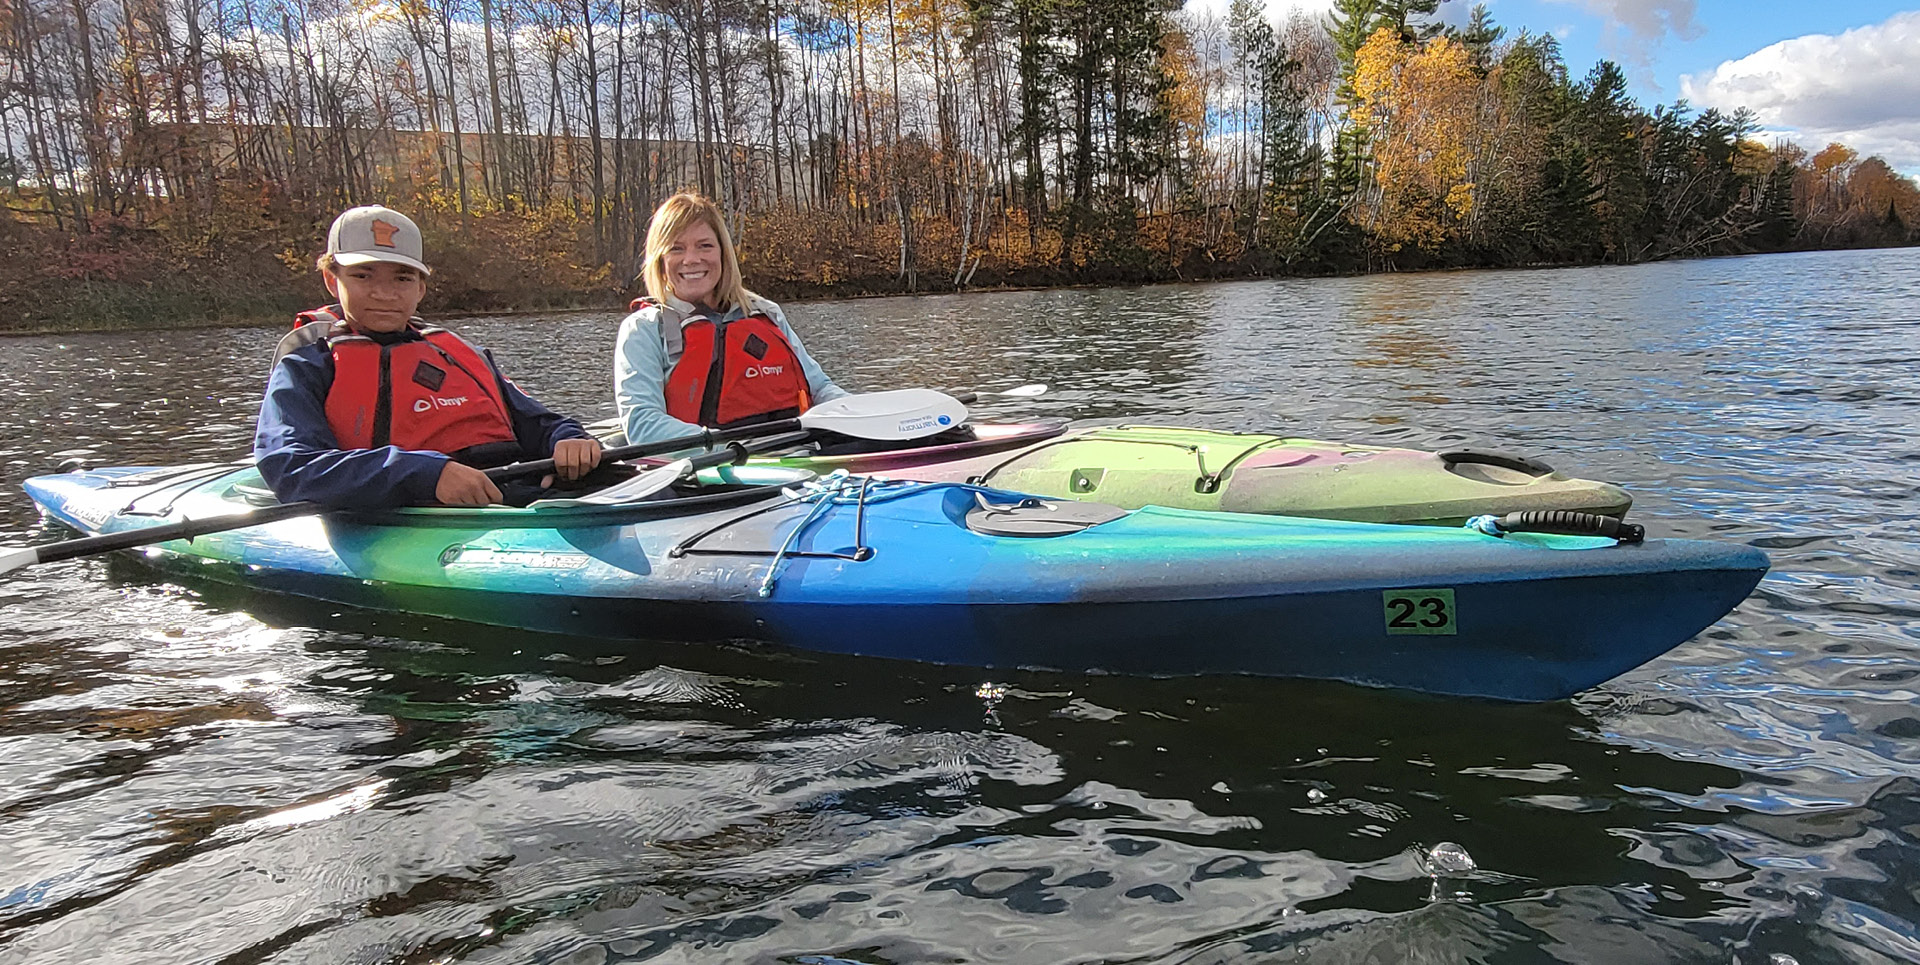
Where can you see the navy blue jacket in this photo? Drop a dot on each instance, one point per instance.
(300, 459)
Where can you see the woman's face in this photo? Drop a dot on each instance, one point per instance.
(693, 263)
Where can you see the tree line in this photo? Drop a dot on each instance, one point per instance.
(147, 146)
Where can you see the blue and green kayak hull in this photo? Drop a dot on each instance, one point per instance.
(912, 572)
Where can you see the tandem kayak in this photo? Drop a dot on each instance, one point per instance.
(954, 573)
(1140, 465)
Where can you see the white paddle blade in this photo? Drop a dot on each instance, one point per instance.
(1027, 391)
(896, 414)
(632, 491)
(13, 559)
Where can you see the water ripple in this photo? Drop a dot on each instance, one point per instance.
(194, 773)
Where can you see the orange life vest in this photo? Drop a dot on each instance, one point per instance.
(750, 373)
(434, 393)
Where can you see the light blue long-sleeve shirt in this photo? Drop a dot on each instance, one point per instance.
(641, 364)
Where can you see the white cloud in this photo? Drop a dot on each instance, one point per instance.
(1455, 12)
(1635, 27)
(1277, 10)
(1860, 88)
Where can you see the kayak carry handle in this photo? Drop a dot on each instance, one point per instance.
(1504, 460)
(1563, 522)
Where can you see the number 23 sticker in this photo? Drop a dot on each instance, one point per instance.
(1424, 612)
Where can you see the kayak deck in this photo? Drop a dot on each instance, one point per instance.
(1136, 465)
(905, 571)
(1145, 465)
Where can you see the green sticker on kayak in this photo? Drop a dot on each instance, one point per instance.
(1422, 612)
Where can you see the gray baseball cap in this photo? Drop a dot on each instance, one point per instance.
(374, 232)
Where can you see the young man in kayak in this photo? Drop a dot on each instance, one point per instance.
(368, 406)
(700, 350)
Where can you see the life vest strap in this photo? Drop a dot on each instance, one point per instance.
(310, 326)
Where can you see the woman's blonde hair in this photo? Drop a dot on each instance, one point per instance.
(675, 215)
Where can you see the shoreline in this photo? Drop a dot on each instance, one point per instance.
(803, 293)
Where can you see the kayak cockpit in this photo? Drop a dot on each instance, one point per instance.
(706, 491)
(1033, 516)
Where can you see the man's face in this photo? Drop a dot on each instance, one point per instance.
(379, 296)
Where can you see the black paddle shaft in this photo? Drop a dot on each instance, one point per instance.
(540, 467)
(185, 529)
(736, 453)
(190, 528)
(701, 440)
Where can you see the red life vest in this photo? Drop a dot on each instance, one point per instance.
(752, 376)
(435, 393)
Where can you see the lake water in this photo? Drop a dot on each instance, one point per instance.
(196, 774)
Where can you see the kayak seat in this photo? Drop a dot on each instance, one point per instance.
(1034, 516)
(1488, 457)
(255, 493)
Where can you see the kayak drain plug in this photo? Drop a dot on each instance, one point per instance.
(1564, 522)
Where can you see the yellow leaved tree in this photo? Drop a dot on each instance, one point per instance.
(1418, 105)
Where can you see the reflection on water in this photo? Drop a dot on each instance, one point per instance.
(191, 773)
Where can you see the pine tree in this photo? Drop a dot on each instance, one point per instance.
(1405, 17)
(1479, 35)
(1350, 23)
(1778, 221)
(1032, 18)
(1254, 54)
(1609, 133)
(1303, 222)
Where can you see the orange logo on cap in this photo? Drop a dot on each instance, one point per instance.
(383, 233)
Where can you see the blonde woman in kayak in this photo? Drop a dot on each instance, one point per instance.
(701, 350)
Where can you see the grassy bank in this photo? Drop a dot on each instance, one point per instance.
(255, 269)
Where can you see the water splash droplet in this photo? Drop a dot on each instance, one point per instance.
(1315, 795)
(1782, 958)
(1447, 860)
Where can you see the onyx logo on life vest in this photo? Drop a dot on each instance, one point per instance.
(438, 402)
(756, 371)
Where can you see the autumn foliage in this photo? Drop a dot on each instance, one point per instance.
(1420, 108)
(177, 161)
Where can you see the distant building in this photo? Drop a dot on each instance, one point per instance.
(534, 167)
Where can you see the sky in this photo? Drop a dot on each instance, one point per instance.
(1813, 71)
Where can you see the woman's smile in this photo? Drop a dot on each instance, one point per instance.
(693, 264)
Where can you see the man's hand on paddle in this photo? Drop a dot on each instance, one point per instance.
(462, 485)
(574, 458)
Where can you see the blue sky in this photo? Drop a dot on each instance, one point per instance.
(1814, 70)
(1659, 42)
